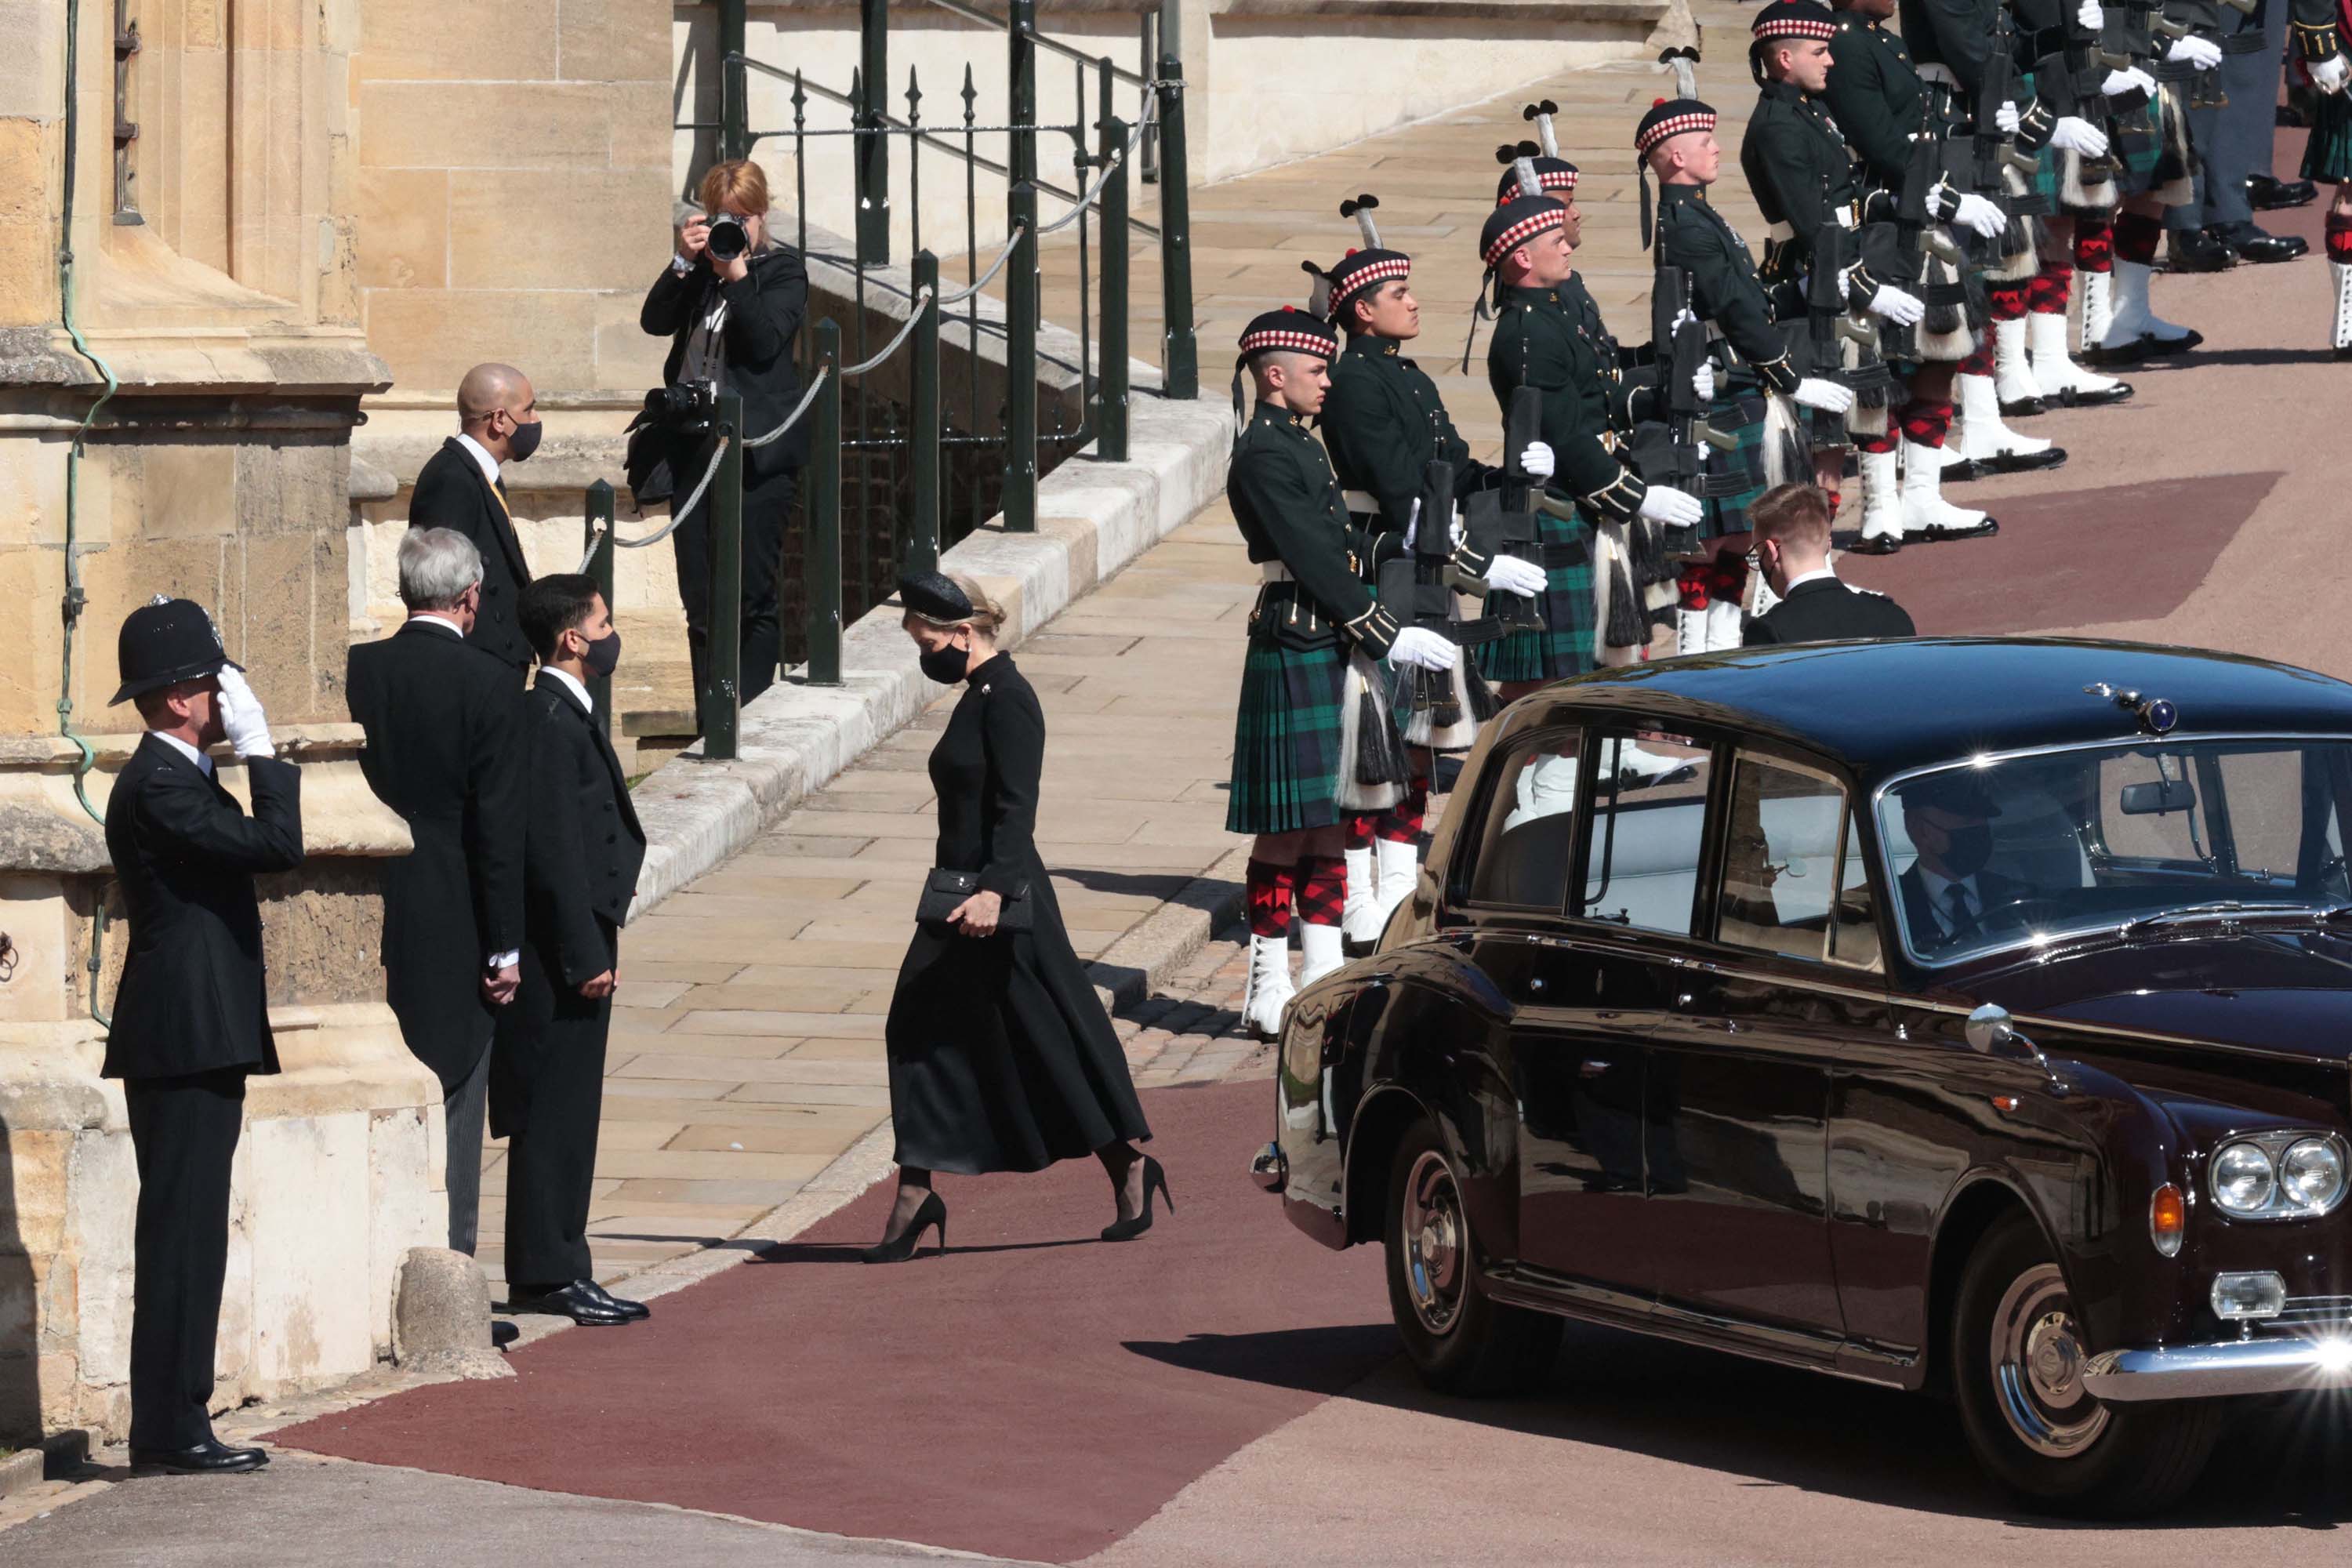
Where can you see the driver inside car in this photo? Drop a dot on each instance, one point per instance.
(1948, 890)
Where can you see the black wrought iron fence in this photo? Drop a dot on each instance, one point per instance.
(880, 468)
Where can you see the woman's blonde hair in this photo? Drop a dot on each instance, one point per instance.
(739, 181)
(987, 617)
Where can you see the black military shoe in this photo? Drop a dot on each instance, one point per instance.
(2196, 251)
(2267, 194)
(577, 1301)
(1875, 544)
(636, 1310)
(2247, 243)
(210, 1457)
(1984, 530)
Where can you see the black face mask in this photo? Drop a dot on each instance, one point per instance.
(604, 655)
(945, 665)
(1967, 849)
(524, 442)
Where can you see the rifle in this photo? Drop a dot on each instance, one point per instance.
(2203, 20)
(1502, 522)
(1997, 153)
(1919, 238)
(1830, 322)
(1414, 589)
(1671, 451)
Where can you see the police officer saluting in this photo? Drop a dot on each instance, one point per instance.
(191, 1014)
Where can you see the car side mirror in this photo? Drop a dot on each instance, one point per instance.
(1989, 1028)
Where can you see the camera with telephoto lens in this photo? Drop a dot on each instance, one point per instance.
(727, 238)
(687, 407)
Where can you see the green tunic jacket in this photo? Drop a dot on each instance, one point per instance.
(1724, 289)
(1876, 98)
(1542, 341)
(1383, 422)
(1287, 505)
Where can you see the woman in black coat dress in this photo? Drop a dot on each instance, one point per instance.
(1001, 1056)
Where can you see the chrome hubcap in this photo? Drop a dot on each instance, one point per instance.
(2037, 1367)
(1434, 1243)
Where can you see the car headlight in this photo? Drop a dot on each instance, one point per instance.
(2280, 1176)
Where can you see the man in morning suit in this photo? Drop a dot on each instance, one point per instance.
(1792, 546)
(191, 1014)
(581, 850)
(460, 487)
(443, 722)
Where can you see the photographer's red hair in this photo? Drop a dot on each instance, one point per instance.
(739, 185)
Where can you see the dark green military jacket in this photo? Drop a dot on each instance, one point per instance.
(1542, 341)
(1383, 421)
(1798, 166)
(1876, 96)
(1955, 34)
(1724, 289)
(1287, 505)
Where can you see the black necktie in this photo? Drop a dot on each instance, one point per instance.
(1963, 917)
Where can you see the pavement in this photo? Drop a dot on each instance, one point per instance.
(1222, 1391)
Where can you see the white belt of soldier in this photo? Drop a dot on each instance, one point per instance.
(1848, 217)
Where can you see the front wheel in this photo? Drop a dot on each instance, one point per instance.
(1459, 1339)
(2017, 1366)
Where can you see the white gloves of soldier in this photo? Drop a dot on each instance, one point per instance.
(2328, 75)
(1893, 304)
(1829, 396)
(1703, 381)
(1418, 647)
(241, 716)
(1536, 460)
(2073, 135)
(2126, 80)
(1969, 210)
(2006, 120)
(2204, 54)
(1674, 508)
(2089, 15)
(1509, 574)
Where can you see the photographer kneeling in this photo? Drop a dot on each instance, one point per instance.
(731, 302)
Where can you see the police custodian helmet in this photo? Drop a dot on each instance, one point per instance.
(166, 641)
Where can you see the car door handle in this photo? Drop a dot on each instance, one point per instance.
(1684, 1000)
(1593, 1069)
(1536, 983)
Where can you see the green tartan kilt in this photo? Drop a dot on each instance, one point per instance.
(1564, 647)
(2137, 142)
(2327, 156)
(1286, 760)
(1737, 411)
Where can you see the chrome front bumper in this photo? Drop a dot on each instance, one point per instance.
(2220, 1369)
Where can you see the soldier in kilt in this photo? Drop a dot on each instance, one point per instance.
(1754, 372)
(1292, 748)
(1544, 340)
(1382, 423)
(2317, 30)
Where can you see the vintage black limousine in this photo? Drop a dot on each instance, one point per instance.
(1961, 1015)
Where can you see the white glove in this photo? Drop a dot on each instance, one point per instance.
(1412, 526)
(241, 716)
(2073, 135)
(2123, 81)
(2006, 120)
(1418, 647)
(1509, 574)
(2204, 54)
(1676, 509)
(1895, 305)
(1829, 396)
(2328, 75)
(1973, 212)
(2089, 15)
(1536, 460)
(1703, 381)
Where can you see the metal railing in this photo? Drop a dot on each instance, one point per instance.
(857, 449)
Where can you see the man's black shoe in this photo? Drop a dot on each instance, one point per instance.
(209, 1458)
(576, 1301)
(503, 1333)
(634, 1310)
(2250, 243)
(2267, 194)
(2197, 250)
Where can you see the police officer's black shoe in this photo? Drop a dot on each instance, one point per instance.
(2196, 251)
(2247, 243)
(2267, 194)
(575, 1301)
(210, 1457)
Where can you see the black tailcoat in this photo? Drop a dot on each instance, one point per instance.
(452, 492)
(444, 720)
(1826, 610)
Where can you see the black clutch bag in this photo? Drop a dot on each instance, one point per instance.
(944, 890)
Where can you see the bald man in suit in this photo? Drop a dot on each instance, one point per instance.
(462, 486)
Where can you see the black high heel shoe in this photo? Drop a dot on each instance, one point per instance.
(899, 1248)
(1129, 1229)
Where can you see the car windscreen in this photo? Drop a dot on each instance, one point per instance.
(2002, 851)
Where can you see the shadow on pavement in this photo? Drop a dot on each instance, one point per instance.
(1286, 1358)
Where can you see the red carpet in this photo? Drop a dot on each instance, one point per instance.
(1034, 1393)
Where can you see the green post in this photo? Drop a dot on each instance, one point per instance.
(723, 704)
(822, 560)
(599, 541)
(922, 552)
(1179, 356)
(1110, 385)
(734, 100)
(1021, 366)
(873, 141)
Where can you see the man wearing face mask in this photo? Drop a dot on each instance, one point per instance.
(192, 1011)
(1792, 549)
(1948, 893)
(581, 850)
(443, 722)
(461, 487)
